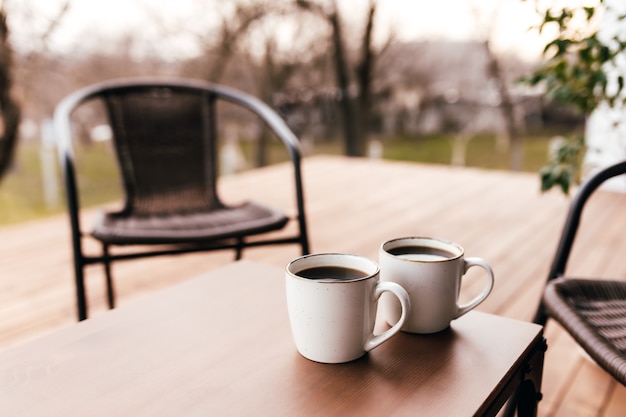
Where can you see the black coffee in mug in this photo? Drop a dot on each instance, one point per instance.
(431, 271)
(338, 273)
(421, 253)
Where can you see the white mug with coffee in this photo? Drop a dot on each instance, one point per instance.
(332, 301)
(431, 271)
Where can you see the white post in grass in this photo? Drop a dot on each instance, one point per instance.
(47, 155)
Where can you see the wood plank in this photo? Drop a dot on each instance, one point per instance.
(588, 393)
(562, 366)
(617, 402)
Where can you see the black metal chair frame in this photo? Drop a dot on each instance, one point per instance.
(63, 132)
(570, 228)
(561, 257)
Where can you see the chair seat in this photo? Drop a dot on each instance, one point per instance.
(224, 223)
(594, 313)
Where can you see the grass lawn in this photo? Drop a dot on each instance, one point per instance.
(481, 151)
(22, 195)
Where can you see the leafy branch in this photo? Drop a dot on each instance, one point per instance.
(575, 74)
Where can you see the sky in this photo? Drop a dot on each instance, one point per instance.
(511, 21)
(91, 20)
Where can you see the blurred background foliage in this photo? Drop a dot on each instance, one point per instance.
(576, 73)
(344, 82)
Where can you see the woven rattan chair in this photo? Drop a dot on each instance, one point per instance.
(165, 138)
(593, 311)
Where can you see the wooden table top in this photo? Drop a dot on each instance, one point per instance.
(220, 345)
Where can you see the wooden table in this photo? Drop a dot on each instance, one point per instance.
(220, 345)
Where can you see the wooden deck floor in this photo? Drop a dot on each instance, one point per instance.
(353, 205)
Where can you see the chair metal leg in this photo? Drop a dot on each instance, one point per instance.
(81, 298)
(109, 280)
(303, 239)
(239, 249)
(304, 235)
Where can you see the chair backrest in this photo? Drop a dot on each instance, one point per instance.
(572, 220)
(165, 141)
(165, 138)
(570, 228)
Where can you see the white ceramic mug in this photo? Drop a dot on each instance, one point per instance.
(332, 300)
(431, 271)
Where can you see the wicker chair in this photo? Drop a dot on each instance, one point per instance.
(166, 143)
(593, 311)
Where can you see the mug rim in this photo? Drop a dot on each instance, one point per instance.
(457, 252)
(304, 258)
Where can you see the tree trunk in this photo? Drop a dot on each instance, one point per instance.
(507, 107)
(8, 107)
(232, 30)
(346, 101)
(364, 77)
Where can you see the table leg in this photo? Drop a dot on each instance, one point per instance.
(528, 394)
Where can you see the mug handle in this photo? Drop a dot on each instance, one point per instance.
(470, 262)
(403, 297)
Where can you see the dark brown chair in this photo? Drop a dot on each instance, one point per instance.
(165, 137)
(593, 311)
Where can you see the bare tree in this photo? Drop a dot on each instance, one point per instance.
(496, 72)
(9, 109)
(231, 30)
(223, 27)
(219, 41)
(35, 59)
(364, 71)
(514, 131)
(355, 107)
(273, 76)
